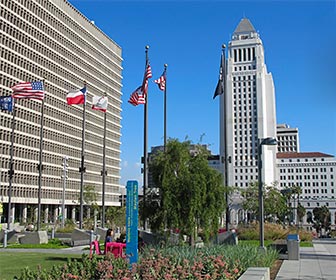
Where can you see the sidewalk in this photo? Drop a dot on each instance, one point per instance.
(317, 263)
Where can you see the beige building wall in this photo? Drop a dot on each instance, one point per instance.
(52, 39)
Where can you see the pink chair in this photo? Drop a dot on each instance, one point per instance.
(95, 245)
(116, 248)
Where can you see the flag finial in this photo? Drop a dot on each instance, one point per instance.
(223, 46)
(146, 47)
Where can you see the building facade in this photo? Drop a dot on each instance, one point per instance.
(288, 139)
(247, 114)
(51, 40)
(249, 103)
(315, 174)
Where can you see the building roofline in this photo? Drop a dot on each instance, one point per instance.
(303, 155)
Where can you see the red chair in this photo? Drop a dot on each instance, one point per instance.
(116, 248)
(95, 245)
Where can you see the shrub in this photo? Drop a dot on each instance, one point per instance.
(215, 262)
(272, 232)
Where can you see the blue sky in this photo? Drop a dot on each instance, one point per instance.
(299, 38)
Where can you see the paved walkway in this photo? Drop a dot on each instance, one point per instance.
(316, 263)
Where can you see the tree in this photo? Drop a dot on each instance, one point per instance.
(274, 202)
(116, 216)
(90, 201)
(301, 211)
(191, 194)
(322, 218)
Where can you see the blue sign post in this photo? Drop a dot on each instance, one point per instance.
(132, 221)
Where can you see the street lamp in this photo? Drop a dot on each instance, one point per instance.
(269, 141)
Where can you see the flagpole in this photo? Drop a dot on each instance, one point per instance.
(165, 110)
(145, 171)
(11, 170)
(104, 172)
(225, 156)
(40, 166)
(82, 168)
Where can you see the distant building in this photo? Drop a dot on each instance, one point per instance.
(214, 162)
(53, 40)
(315, 173)
(250, 109)
(288, 139)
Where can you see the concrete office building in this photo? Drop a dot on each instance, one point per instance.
(52, 39)
(288, 139)
(249, 108)
(315, 173)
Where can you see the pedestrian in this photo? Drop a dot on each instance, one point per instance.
(108, 238)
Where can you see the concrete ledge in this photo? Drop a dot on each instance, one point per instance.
(81, 237)
(37, 237)
(12, 236)
(256, 273)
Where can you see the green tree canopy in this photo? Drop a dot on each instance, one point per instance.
(190, 193)
(274, 201)
(322, 218)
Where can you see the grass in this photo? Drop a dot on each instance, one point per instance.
(11, 263)
(52, 244)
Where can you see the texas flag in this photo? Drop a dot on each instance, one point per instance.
(76, 97)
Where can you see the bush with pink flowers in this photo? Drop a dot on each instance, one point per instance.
(215, 262)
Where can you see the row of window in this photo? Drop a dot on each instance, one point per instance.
(36, 63)
(43, 22)
(244, 54)
(307, 170)
(55, 194)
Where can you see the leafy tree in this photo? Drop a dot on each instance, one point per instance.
(274, 201)
(191, 194)
(301, 211)
(90, 197)
(293, 193)
(250, 198)
(116, 216)
(322, 218)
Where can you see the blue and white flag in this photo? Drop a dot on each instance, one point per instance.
(6, 103)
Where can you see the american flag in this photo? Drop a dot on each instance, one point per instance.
(148, 75)
(137, 97)
(28, 90)
(161, 82)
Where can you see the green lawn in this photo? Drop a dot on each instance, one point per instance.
(12, 263)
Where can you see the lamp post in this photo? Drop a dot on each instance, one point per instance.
(270, 141)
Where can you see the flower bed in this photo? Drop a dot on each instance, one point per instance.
(215, 262)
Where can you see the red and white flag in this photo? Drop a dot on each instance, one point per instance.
(148, 75)
(28, 90)
(76, 97)
(161, 82)
(139, 95)
(99, 103)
